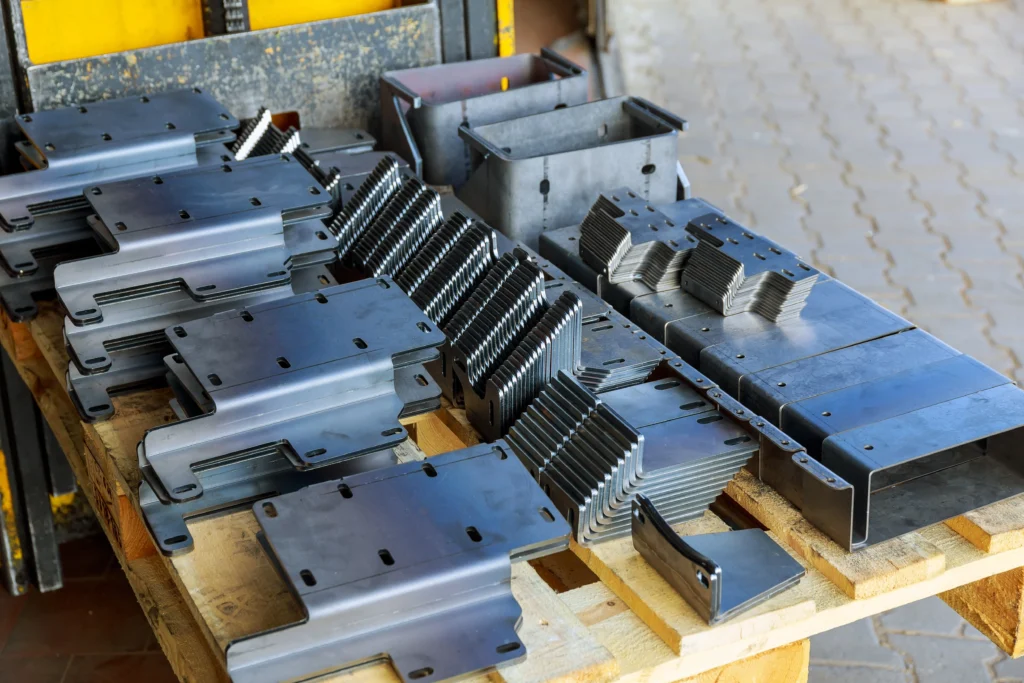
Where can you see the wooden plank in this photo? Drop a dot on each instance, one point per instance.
(994, 605)
(621, 568)
(993, 528)
(873, 571)
(639, 650)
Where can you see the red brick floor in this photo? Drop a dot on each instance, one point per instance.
(91, 630)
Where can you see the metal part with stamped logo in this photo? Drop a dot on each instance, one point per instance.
(419, 574)
(212, 232)
(74, 148)
(526, 179)
(423, 108)
(720, 575)
(311, 375)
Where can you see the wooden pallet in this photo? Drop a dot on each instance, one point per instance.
(592, 614)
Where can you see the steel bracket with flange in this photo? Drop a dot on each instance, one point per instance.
(78, 147)
(213, 231)
(526, 177)
(423, 108)
(312, 375)
(419, 572)
(125, 351)
(720, 575)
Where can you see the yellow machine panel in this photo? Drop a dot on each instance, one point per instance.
(56, 30)
(274, 13)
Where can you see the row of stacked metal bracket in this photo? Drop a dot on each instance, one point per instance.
(301, 301)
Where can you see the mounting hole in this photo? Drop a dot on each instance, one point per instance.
(602, 130)
(648, 169)
(360, 344)
(180, 331)
(184, 489)
(214, 379)
(320, 234)
(175, 540)
(391, 432)
(226, 168)
(709, 419)
(120, 226)
(106, 137)
(313, 190)
(100, 408)
(307, 577)
(169, 126)
(421, 673)
(423, 327)
(387, 559)
(507, 647)
(826, 413)
(692, 406)
(545, 187)
(737, 440)
(869, 447)
(803, 460)
(320, 298)
(702, 577)
(144, 99)
(740, 355)
(255, 201)
(782, 384)
(184, 214)
(49, 147)
(344, 490)
(831, 480)
(316, 453)
(247, 316)
(283, 362)
(705, 329)
(546, 514)
(421, 380)
(473, 534)
(429, 470)
(269, 510)
(96, 191)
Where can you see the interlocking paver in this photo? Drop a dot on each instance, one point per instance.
(883, 140)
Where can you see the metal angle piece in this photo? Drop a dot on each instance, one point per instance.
(250, 134)
(446, 288)
(423, 108)
(720, 575)
(525, 177)
(616, 353)
(212, 231)
(419, 574)
(78, 147)
(734, 270)
(275, 388)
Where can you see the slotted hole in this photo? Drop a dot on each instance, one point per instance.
(507, 647)
(740, 355)
(787, 273)
(360, 344)
(421, 380)
(157, 180)
(421, 673)
(323, 280)
(120, 226)
(702, 578)
(602, 328)
(320, 298)
(546, 514)
(614, 361)
(869, 447)
(206, 288)
(226, 168)
(423, 327)
(49, 147)
(386, 558)
(759, 256)
(316, 453)
(94, 361)
(96, 191)
(392, 431)
(344, 490)
(709, 419)
(106, 137)
(269, 510)
(255, 201)
(321, 235)
(473, 534)
(667, 385)
(180, 331)
(307, 577)
(283, 362)
(214, 379)
(648, 169)
(100, 408)
(184, 489)
(748, 235)
(804, 266)
(276, 273)
(782, 384)
(705, 329)
(826, 413)
(737, 440)
(175, 540)
(731, 240)
(247, 316)
(693, 405)
(313, 190)
(184, 214)
(429, 470)
(775, 251)
(169, 126)
(545, 187)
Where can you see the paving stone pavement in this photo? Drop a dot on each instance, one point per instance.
(884, 141)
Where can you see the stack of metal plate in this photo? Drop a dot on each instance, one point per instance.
(357, 213)
(446, 287)
(250, 134)
(401, 237)
(617, 353)
(593, 454)
(185, 245)
(626, 239)
(433, 252)
(313, 377)
(734, 270)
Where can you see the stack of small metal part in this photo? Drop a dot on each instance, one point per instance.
(626, 239)
(734, 271)
(616, 353)
(592, 454)
(259, 137)
(404, 224)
